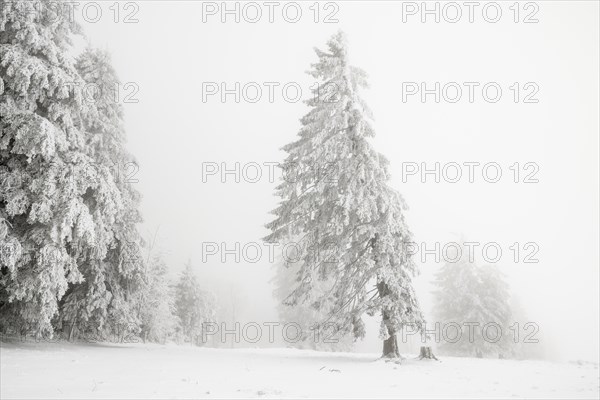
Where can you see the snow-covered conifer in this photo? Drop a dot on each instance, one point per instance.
(114, 270)
(337, 196)
(67, 223)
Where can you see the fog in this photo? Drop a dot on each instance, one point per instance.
(170, 52)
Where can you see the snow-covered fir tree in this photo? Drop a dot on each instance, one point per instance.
(472, 298)
(340, 201)
(104, 299)
(193, 306)
(68, 221)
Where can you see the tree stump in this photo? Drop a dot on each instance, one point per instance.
(426, 353)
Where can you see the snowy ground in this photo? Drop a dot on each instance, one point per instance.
(150, 371)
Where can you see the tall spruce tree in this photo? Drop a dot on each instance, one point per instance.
(65, 219)
(339, 199)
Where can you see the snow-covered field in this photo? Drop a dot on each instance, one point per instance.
(30, 370)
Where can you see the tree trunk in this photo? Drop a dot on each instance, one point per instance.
(72, 331)
(390, 347)
(426, 353)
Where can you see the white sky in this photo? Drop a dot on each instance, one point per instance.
(170, 52)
